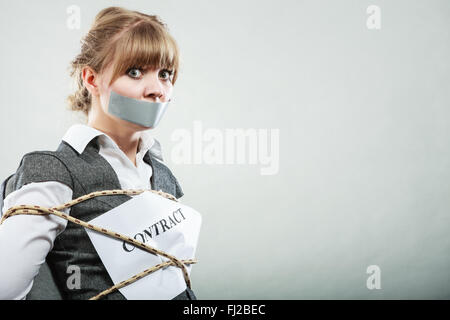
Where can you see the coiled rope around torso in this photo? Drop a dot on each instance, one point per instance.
(38, 210)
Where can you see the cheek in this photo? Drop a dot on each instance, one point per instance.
(123, 86)
(169, 90)
(126, 87)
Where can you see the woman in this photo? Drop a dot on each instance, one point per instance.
(126, 55)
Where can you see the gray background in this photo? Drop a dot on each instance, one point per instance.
(364, 136)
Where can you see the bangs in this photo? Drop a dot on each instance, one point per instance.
(146, 45)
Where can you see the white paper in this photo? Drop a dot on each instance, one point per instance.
(159, 222)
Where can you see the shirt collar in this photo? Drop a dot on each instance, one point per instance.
(79, 135)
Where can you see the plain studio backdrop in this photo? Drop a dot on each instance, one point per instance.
(359, 204)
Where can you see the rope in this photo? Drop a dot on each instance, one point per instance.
(38, 210)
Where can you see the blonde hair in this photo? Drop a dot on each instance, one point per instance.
(126, 39)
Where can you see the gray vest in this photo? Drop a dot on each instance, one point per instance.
(83, 173)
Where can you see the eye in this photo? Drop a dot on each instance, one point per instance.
(134, 72)
(166, 74)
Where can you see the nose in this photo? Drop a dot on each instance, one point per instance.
(153, 88)
(155, 95)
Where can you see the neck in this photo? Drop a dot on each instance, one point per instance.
(119, 130)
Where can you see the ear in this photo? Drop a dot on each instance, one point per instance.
(90, 80)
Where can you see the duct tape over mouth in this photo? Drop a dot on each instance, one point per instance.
(145, 113)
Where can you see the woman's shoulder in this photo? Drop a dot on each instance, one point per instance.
(40, 166)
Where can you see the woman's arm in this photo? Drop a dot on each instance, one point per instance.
(25, 240)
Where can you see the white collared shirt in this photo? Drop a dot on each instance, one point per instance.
(25, 254)
(130, 176)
